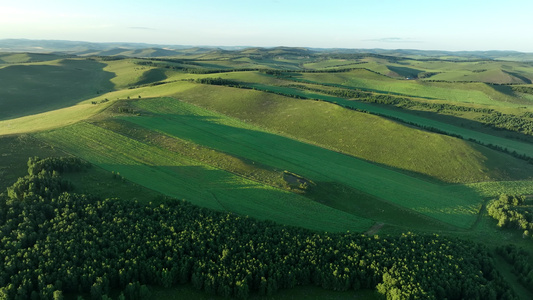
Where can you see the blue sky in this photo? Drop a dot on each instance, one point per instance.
(428, 25)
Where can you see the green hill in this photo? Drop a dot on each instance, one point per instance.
(382, 143)
(36, 88)
(368, 137)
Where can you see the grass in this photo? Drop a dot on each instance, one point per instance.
(31, 89)
(475, 93)
(81, 111)
(175, 175)
(361, 135)
(126, 72)
(455, 205)
(14, 154)
(501, 72)
(225, 148)
(18, 58)
(235, 165)
(332, 64)
(467, 134)
(49, 120)
(494, 189)
(102, 183)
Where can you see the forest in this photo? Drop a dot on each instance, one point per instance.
(56, 242)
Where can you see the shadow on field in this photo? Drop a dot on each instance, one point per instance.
(464, 123)
(273, 150)
(343, 177)
(33, 89)
(350, 200)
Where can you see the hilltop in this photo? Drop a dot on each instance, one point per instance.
(158, 50)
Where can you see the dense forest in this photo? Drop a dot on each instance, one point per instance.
(55, 242)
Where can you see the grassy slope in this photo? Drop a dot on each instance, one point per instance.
(482, 71)
(477, 93)
(36, 88)
(178, 176)
(511, 145)
(15, 58)
(453, 204)
(362, 135)
(81, 111)
(126, 72)
(14, 154)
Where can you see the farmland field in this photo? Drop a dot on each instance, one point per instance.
(384, 146)
(180, 177)
(230, 136)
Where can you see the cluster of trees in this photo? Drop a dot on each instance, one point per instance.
(512, 212)
(520, 260)
(490, 117)
(61, 242)
(525, 157)
(396, 101)
(523, 89)
(528, 115)
(509, 122)
(101, 101)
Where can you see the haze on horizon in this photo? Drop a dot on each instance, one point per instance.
(451, 25)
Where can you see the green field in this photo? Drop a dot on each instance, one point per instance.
(177, 176)
(475, 93)
(37, 88)
(511, 145)
(230, 136)
(368, 137)
(276, 145)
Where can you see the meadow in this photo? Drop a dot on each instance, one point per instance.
(454, 129)
(241, 140)
(36, 88)
(471, 92)
(177, 176)
(272, 142)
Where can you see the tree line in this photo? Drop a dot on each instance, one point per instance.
(55, 241)
(390, 100)
(520, 260)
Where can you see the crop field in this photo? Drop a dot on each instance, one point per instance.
(347, 131)
(317, 164)
(177, 176)
(509, 144)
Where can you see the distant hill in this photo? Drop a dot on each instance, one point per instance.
(156, 50)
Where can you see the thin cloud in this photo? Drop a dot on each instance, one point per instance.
(141, 28)
(393, 40)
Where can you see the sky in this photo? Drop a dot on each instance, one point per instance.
(389, 24)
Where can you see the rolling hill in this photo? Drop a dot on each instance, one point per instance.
(381, 144)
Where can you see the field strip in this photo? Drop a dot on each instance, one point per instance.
(454, 204)
(511, 145)
(176, 176)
